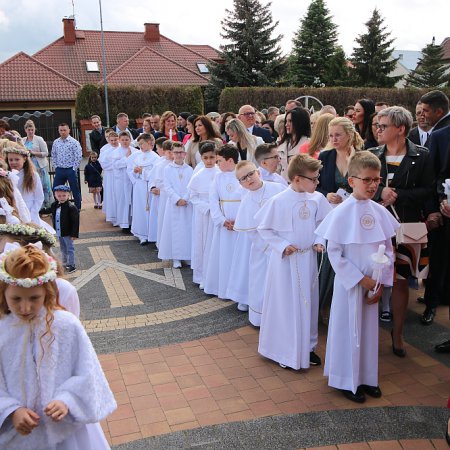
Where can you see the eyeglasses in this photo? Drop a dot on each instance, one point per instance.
(271, 157)
(247, 177)
(382, 127)
(368, 181)
(313, 179)
(248, 114)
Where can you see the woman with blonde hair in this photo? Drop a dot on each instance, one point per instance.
(38, 154)
(245, 142)
(279, 126)
(168, 127)
(319, 137)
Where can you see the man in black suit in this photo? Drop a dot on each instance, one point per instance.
(247, 116)
(122, 125)
(419, 135)
(435, 109)
(97, 135)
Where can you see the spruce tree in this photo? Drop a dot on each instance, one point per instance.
(337, 70)
(313, 44)
(372, 60)
(252, 57)
(430, 71)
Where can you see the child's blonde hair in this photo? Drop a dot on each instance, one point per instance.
(302, 163)
(362, 160)
(242, 164)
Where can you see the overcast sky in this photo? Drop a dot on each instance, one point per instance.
(29, 25)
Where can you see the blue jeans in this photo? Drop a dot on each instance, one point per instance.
(67, 250)
(62, 175)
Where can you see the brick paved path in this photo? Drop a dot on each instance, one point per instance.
(186, 373)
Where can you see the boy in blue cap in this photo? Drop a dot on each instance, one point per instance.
(66, 222)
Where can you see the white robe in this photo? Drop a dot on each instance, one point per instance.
(67, 370)
(68, 296)
(22, 209)
(176, 234)
(106, 161)
(291, 300)
(158, 181)
(273, 177)
(354, 230)
(254, 272)
(224, 199)
(34, 200)
(140, 208)
(122, 187)
(202, 225)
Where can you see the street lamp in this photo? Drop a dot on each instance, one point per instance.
(104, 64)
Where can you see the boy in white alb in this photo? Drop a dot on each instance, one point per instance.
(354, 231)
(139, 171)
(287, 222)
(267, 157)
(249, 279)
(106, 161)
(158, 189)
(122, 184)
(224, 199)
(199, 197)
(176, 233)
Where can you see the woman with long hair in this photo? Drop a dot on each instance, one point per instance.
(168, 127)
(364, 108)
(226, 117)
(204, 130)
(319, 136)
(244, 141)
(297, 130)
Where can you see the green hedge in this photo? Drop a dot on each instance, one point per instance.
(135, 100)
(232, 98)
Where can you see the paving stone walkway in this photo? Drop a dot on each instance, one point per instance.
(186, 373)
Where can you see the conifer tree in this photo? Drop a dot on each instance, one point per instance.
(337, 70)
(372, 59)
(313, 44)
(430, 71)
(251, 56)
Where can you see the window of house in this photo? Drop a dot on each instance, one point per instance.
(92, 66)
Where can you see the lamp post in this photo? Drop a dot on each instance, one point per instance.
(104, 64)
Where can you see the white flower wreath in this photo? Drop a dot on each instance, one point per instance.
(25, 230)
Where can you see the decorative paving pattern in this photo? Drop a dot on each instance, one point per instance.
(308, 430)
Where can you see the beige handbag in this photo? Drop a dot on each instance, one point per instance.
(410, 233)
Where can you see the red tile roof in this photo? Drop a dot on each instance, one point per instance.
(70, 60)
(446, 48)
(206, 50)
(26, 79)
(168, 73)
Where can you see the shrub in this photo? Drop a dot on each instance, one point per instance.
(232, 98)
(135, 100)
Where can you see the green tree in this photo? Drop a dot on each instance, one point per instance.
(251, 57)
(337, 70)
(313, 44)
(430, 71)
(372, 60)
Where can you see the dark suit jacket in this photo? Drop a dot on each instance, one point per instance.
(97, 139)
(133, 131)
(414, 182)
(414, 136)
(180, 135)
(263, 133)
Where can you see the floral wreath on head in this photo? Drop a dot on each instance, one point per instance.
(50, 275)
(18, 151)
(26, 230)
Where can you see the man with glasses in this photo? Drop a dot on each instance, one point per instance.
(247, 115)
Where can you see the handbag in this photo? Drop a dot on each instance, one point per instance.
(411, 232)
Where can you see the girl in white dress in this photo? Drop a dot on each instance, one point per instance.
(53, 390)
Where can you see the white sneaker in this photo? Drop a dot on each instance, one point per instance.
(176, 264)
(201, 286)
(282, 366)
(242, 307)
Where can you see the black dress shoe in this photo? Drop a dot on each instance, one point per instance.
(314, 360)
(444, 347)
(373, 391)
(421, 300)
(400, 352)
(357, 397)
(428, 316)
